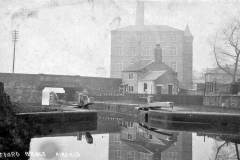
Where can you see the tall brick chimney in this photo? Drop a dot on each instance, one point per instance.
(158, 53)
(140, 13)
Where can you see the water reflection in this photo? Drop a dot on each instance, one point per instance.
(68, 147)
(118, 137)
(121, 137)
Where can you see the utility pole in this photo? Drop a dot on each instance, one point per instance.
(15, 39)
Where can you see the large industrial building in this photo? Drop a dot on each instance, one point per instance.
(135, 43)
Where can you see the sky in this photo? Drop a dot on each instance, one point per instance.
(72, 37)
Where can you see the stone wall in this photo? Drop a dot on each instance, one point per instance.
(27, 88)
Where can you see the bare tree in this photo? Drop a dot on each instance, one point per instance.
(218, 150)
(226, 49)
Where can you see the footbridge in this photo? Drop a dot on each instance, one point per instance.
(27, 88)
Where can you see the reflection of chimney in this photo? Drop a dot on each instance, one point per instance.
(140, 13)
(158, 53)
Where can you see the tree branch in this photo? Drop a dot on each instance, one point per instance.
(218, 149)
(237, 152)
(228, 54)
(218, 64)
(231, 39)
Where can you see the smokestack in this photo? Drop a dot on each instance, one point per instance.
(140, 13)
(158, 53)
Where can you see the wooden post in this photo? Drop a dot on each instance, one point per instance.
(237, 152)
(1, 88)
(4, 98)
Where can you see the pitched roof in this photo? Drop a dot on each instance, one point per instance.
(153, 75)
(151, 65)
(148, 28)
(138, 66)
(158, 66)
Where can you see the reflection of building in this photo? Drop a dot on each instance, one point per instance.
(129, 140)
(120, 150)
(134, 43)
(181, 150)
(151, 77)
(137, 143)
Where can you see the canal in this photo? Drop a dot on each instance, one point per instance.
(119, 136)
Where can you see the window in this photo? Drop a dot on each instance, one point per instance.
(130, 155)
(130, 88)
(211, 86)
(117, 51)
(150, 136)
(117, 66)
(174, 66)
(144, 87)
(147, 51)
(147, 37)
(117, 154)
(116, 138)
(144, 156)
(132, 51)
(169, 51)
(130, 76)
(169, 37)
(130, 137)
(130, 124)
(172, 37)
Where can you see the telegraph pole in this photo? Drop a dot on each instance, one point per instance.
(15, 39)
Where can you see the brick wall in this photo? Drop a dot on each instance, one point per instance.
(27, 88)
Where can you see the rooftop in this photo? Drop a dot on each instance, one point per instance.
(162, 28)
(138, 66)
(153, 75)
(154, 66)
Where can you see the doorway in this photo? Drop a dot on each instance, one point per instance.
(170, 89)
(159, 89)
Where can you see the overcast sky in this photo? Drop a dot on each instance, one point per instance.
(73, 36)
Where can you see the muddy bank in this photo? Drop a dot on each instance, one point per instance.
(15, 135)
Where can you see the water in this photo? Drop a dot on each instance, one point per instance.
(117, 137)
(69, 147)
(114, 146)
(130, 141)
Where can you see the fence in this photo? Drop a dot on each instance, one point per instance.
(181, 99)
(142, 98)
(228, 101)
